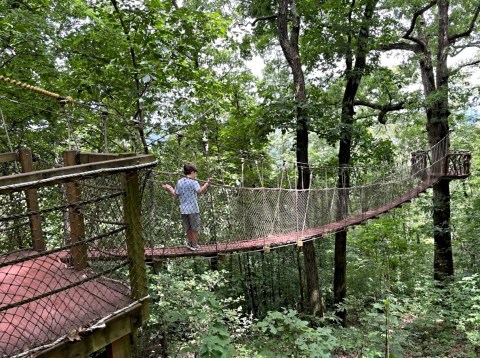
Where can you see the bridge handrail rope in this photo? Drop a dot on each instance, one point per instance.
(61, 99)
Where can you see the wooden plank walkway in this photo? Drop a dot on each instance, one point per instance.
(289, 238)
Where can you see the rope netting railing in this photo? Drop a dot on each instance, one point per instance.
(239, 218)
(231, 215)
(68, 262)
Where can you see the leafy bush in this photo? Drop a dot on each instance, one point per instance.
(286, 335)
(379, 332)
(187, 309)
(464, 301)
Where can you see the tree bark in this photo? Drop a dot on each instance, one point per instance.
(437, 127)
(315, 298)
(353, 74)
(437, 110)
(287, 10)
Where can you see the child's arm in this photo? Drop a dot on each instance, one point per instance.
(170, 189)
(204, 187)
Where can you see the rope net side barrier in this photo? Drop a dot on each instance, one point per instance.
(53, 284)
(235, 218)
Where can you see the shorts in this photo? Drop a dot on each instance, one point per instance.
(191, 221)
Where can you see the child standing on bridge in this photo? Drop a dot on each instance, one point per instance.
(187, 190)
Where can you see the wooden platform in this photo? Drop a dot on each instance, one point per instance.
(49, 308)
(68, 302)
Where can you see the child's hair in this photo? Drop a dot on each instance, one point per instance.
(189, 168)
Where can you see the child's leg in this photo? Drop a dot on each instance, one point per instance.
(192, 236)
(188, 228)
(194, 228)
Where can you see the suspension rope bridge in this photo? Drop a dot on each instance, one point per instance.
(244, 219)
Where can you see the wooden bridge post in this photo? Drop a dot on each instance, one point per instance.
(75, 216)
(26, 161)
(134, 236)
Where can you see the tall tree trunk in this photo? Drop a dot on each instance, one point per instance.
(315, 299)
(435, 87)
(287, 10)
(344, 156)
(354, 74)
(437, 128)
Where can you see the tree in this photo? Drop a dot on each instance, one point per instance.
(435, 75)
(288, 23)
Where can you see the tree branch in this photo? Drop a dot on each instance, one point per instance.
(463, 65)
(414, 20)
(264, 18)
(383, 108)
(466, 33)
(402, 46)
(7, 61)
(90, 56)
(139, 113)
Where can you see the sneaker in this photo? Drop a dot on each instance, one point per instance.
(192, 246)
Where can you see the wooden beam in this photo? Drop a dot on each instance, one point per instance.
(86, 158)
(75, 216)
(41, 178)
(135, 245)
(8, 157)
(117, 327)
(31, 196)
(121, 348)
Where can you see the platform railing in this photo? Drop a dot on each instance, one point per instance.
(52, 224)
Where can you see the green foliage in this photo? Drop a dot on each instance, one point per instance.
(216, 343)
(194, 317)
(286, 335)
(390, 252)
(464, 302)
(187, 77)
(431, 323)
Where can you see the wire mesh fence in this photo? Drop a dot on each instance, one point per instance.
(67, 263)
